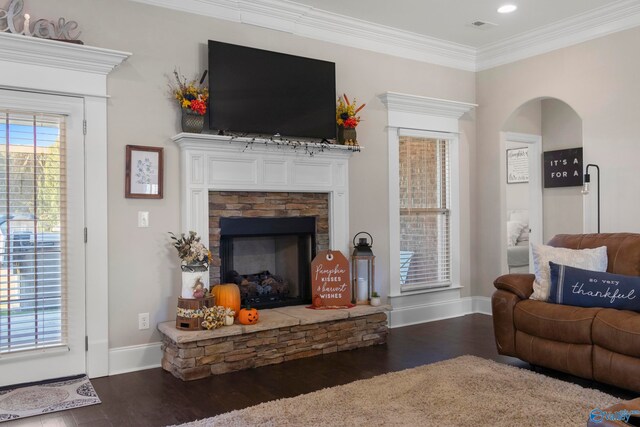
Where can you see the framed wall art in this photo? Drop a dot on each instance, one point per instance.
(144, 170)
(517, 165)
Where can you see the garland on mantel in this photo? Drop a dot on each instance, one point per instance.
(310, 148)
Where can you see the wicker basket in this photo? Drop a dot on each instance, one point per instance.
(190, 313)
(192, 122)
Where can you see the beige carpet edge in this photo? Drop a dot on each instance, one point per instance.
(466, 390)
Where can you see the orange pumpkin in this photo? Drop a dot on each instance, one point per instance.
(227, 295)
(248, 316)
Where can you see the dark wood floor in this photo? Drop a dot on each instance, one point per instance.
(155, 398)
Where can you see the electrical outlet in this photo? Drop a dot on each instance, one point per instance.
(143, 219)
(143, 321)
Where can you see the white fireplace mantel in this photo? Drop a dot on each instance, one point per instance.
(221, 163)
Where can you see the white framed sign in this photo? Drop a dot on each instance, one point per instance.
(518, 165)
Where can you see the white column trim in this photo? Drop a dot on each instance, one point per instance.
(82, 71)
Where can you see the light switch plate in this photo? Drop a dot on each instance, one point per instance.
(143, 321)
(143, 219)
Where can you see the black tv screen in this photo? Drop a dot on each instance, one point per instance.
(260, 92)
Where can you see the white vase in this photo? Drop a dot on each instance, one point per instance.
(190, 277)
(375, 301)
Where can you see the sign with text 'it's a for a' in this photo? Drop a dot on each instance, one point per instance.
(563, 168)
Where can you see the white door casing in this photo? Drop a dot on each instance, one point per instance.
(48, 66)
(69, 360)
(534, 143)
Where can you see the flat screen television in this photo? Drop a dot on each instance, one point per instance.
(261, 92)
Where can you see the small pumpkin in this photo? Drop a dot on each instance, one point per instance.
(227, 295)
(317, 301)
(248, 316)
(228, 320)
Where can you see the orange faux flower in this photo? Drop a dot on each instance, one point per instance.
(199, 106)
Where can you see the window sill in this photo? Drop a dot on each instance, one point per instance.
(24, 354)
(426, 291)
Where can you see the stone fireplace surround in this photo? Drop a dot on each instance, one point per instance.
(216, 167)
(245, 204)
(249, 205)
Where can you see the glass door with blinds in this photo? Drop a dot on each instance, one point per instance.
(42, 324)
(425, 249)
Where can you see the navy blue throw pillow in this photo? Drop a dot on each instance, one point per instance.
(585, 288)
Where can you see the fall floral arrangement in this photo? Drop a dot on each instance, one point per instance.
(346, 112)
(213, 317)
(191, 95)
(190, 250)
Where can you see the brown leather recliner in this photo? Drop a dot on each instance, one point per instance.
(594, 343)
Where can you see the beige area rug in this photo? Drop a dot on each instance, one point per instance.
(466, 391)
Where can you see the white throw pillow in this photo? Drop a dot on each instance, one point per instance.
(524, 235)
(514, 228)
(587, 259)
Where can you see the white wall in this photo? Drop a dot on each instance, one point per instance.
(143, 272)
(561, 129)
(599, 80)
(527, 118)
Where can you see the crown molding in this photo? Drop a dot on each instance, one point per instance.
(404, 103)
(50, 53)
(615, 17)
(307, 21)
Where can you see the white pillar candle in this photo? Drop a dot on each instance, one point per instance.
(26, 30)
(362, 289)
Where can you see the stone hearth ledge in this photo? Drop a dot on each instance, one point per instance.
(273, 318)
(281, 335)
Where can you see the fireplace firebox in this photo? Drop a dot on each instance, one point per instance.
(268, 258)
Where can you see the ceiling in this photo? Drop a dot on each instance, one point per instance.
(433, 31)
(450, 19)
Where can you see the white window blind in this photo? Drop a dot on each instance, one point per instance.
(425, 250)
(32, 237)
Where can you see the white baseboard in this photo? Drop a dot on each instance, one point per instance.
(481, 305)
(134, 358)
(441, 310)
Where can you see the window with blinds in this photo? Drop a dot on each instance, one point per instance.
(32, 221)
(425, 253)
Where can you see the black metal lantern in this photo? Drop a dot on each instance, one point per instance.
(362, 270)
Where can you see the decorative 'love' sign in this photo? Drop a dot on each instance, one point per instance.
(43, 28)
(330, 280)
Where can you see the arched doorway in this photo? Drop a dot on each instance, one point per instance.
(531, 213)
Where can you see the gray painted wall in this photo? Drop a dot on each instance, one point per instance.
(143, 269)
(561, 128)
(597, 79)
